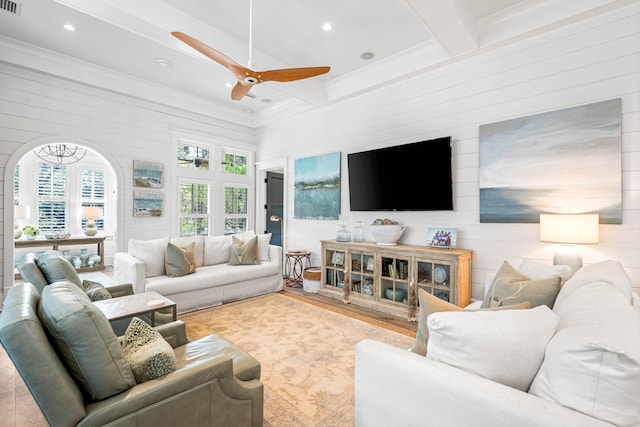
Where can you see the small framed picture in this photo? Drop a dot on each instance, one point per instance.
(337, 258)
(370, 264)
(442, 237)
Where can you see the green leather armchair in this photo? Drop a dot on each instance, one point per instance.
(216, 383)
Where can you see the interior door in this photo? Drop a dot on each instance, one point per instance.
(275, 200)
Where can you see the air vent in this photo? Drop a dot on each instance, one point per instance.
(10, 6)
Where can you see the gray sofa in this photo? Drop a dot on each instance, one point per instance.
(214, 281)
(215, 383)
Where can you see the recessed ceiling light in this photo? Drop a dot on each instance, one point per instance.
(367, 56)
(69, 27)
(266, 100)
(163, 62)
(327, 26)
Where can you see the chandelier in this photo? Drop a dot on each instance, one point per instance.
(61, 154)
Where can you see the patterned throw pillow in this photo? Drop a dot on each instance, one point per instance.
(244, 253)
(512, 287)
(148, 354)
(95, 291)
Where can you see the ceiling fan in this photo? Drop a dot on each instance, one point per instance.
(246, 76)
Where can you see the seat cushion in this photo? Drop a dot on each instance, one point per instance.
(84, 340)
(245, 367)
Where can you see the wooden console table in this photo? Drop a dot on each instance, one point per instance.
(74, 240)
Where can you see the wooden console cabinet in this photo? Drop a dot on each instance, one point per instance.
(380, 277)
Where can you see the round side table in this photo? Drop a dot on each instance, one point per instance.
(294, 265)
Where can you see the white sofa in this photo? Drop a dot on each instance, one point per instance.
(589, 375)
(214, 281)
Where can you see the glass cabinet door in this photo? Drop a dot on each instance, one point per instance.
(362, 272)
(335, 265)
(394, 279)
(435, 278)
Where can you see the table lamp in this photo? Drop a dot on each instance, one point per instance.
(91, 213)
(569, 229)
(19, 212)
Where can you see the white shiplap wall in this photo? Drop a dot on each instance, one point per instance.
(591, 61)
(37, 108)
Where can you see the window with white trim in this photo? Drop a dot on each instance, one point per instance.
(236, 216)
(52, 195)
(92, 193)
(193, 157)
(194, 209)
(235, 162)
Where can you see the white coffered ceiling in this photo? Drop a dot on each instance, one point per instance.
(128, 38)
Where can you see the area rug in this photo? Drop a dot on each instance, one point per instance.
(307, 355)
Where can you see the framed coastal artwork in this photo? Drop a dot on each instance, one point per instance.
(565, 161)
(147, 174)
(316, 193)
(147, 204)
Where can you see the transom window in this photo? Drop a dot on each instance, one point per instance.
(235, 163)
(193, 157)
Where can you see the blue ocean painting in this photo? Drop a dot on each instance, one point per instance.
(147, 204)
(316, 193)
(566, 161)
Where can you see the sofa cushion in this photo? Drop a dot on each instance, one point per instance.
(148, 354)
(180, 261)
(151, 252)
(592, 364)
(85, 341)
(263, 243)
(512, 287)
(537, 271)
(56, 268)
(217, 250)
(95, 291)
(198, 249)
(244, 253)
(30, 272)
(506, 346)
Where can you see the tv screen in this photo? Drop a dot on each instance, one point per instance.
(410, 177)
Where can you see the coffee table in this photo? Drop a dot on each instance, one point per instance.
(134, 305)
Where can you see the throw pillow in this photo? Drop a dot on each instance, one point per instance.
(84, 340)
(511, 287)
(148, 354)
(244, 253)
(428, 304)
(506, 346)
(56, 268)
(151, 252)
(180, 261)
(592, 364)
(536, 270)
(95, 291)
(198, 248)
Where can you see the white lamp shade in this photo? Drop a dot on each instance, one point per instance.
(570, 228)
(91, 212)
(21, 212)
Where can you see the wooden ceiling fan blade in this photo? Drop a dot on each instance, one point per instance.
(208, 51)
(239, 91)
(291, 74)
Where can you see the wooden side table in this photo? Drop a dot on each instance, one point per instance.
(294, 265)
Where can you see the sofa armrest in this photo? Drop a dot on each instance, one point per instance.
(275, 254)
(127, 269)
(188, 396)
(394, 386)
(175, 333)
(120, 290)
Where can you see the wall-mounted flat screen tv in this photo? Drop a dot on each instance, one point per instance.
(409, 177)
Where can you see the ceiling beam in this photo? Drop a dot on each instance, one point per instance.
(450, 22)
